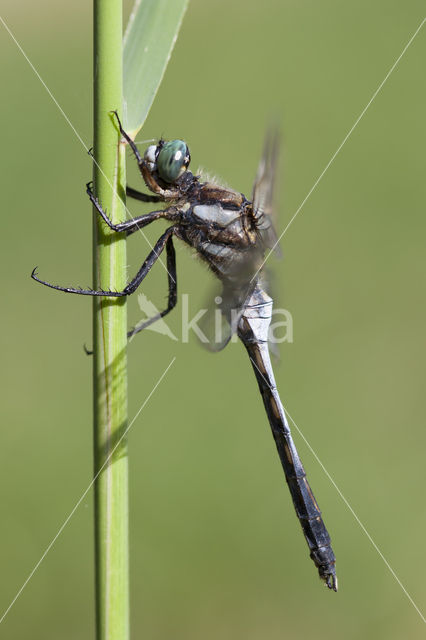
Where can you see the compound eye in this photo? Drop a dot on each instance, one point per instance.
(173, 160)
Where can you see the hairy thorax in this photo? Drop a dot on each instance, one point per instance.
(219, 224)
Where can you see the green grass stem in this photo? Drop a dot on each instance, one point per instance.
(109, 335)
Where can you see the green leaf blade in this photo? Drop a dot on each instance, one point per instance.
(148, 43)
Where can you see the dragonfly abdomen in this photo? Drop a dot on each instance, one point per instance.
(305, 504)
(253, 331)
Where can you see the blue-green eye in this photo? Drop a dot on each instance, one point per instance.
(173, 160)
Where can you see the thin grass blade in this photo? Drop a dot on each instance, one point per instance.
(149, 39)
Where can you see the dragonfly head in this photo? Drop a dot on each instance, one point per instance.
(169, 159)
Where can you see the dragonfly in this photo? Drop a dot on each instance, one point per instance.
(232, 235)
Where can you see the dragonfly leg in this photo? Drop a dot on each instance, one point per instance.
(143, 197)
(128, 139)
(129, 226)
(172, 282)
(133, 284)
(146, 174)
(148, 263)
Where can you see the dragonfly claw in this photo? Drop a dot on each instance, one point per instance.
(87, 351)
(331, 581)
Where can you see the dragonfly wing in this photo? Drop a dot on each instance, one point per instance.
(224, 313)
(264, 191)
(221, 321)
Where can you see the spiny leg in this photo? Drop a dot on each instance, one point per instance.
(152, 257)
(128, 139)
(129, 226)
(133, 284)
(172, 282)
(77, 290)
(143, 197)
(164, 194)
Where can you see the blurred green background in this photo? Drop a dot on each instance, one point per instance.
(216, 550)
